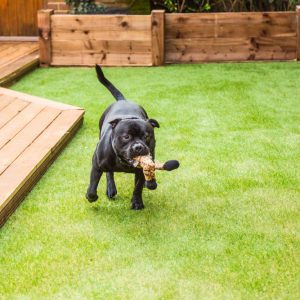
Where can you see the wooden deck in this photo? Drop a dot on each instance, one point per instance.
(16, 59)
(32, 132)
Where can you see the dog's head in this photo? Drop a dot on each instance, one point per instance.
(133, 137)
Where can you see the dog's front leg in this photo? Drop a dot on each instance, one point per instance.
(137, 201)
(95, 176)
(111, 189)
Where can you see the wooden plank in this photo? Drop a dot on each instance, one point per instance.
(182, 19)
(4, 101)
(18, 17)
(12, 128)
(196, 57)
(183, 45)
(44, 26)
(92, 46)
(17, 51)
(158, 36)
(28, 178)
(267, 25)
(230, 25)
(100, 22)
(230, 31)
(218, 49)
(107, 59)
(125, 35)
(18, 68)
(16, 59)
(230, 37)
(11, 110)
(9, 51)
(180, 26)
(18, 39)
(18, 62)
(5, 46)
(44, 147)
(26, 136)
(38, 100)
(107, 40)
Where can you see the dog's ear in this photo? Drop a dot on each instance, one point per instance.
(153, 123)
(114, 122)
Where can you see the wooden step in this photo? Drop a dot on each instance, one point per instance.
(16, 59)
(32, 133)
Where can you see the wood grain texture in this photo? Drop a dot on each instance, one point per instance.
(29, 141)
(11, 110)
(18, 17)
(33, 99)
(44, 26)
(173, 38)
(158, 37)
(100, 22)
(102, 35)
(41, 147)
(4, 101)
(232, 25)
(230, 37)
(118, 40)
(102, 58)
(230, 49)
(16, 59)
(12, 128)
(26, 136)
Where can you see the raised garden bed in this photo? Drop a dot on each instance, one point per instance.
(122, 40)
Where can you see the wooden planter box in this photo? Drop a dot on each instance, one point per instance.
(133, 40)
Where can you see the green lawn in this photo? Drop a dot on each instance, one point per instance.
(225, 225)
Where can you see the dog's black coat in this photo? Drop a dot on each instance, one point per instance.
(125, 132)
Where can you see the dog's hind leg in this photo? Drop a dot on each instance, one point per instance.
(111, 189)
(137, 201)
(95, 176)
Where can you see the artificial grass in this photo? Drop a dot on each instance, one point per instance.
(225, 225)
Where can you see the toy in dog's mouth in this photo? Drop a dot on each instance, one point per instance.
(149, 166)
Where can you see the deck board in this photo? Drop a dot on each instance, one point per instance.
(30, 140)
(12, 128)
(17, 58)
(4, 101)
(11, 110)
(25, 137)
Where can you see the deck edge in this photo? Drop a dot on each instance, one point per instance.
(38, 100)
(12, 205)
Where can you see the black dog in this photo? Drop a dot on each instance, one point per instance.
(125, 132)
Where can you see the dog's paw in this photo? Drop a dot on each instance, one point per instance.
(111, 192)
(91, 197)
(137, 205)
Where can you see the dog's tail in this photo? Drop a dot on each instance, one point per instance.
(114, 91)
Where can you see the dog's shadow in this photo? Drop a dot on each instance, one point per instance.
(117, 211)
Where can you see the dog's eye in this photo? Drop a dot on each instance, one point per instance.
(147, 138)
(126, 137)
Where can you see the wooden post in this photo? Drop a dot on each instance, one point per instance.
(298, 31)
(44, 25)
(158, 37)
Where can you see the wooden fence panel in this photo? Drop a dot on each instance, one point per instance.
(106, 40)
(230, 36)
(18, 17)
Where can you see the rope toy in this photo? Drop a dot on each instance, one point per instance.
(149, 166)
